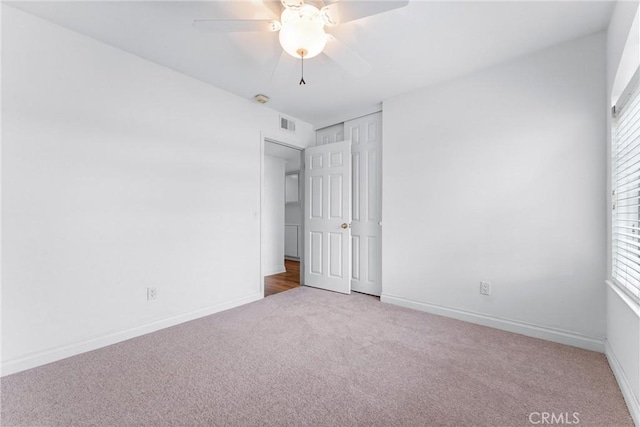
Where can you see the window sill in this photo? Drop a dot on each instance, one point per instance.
(633, 305)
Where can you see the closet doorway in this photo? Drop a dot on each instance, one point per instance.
(282, 227)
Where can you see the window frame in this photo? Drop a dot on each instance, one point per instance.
(630, 98)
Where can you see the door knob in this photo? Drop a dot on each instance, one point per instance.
(344, 225)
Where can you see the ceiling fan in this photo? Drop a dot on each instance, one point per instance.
(301, 27)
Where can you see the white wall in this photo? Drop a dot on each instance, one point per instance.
(621, 39)
(500, 176)
(623, 347)
(293, 214)
(623, 315)
(119, 174)
(273, 216)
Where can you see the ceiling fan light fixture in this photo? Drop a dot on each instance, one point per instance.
(292, 3)
(325, 14)
(275, 26)
(302, 33)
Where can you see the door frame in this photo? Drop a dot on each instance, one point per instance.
(264, 139)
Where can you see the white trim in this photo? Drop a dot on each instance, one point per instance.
(523, 328)
(627, 392)
(53, 355)
(276, 269)
(273, 140)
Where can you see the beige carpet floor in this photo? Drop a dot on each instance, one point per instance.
(316, 358)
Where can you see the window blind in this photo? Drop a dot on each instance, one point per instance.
(625, 159)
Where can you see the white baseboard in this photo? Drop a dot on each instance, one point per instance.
(627, 392)
(523, 328)
(276, 269)
(53, 355)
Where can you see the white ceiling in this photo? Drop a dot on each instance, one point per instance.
(419, 45)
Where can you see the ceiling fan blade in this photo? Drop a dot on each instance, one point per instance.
(346, 11)
(284, 67)
(244, 9)
(346, 58)
(235, 25)
(275, 6)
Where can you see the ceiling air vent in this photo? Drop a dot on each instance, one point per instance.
(287, 124)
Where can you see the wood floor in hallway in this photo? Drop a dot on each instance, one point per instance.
(283, 281)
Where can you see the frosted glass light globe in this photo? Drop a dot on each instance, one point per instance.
(302, 34)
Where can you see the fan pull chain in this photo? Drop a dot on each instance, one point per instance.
(302, 52)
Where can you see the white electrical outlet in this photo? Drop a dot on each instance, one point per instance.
(152, 293)
(485, 288)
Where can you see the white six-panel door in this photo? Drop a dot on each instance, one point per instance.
(366, 226)
(327, 216)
